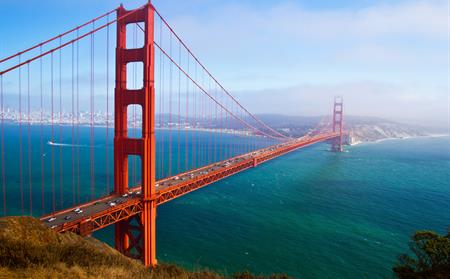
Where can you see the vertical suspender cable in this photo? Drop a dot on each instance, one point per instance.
(227, 127)
(221, 155)
(244, 134)
(107, 108)
(233, 134)
(247, 136)
(207, 124)
(3, 147)
(194, 104)
(179, 108)
(230, 135)
(170, 109)
(61, 187)
(215, 124)
(204, 141)
(92, 162)
(211, 127)
(161, 107)
(42, 136)
(20, 141)
(78, 118)
(208, 116)
(187, 120)
(73, 123)
(29, 142)
(208, 140)
(163, 125)
(53, 136)
(201, 140)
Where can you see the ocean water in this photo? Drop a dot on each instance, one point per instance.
(49, 168)
(311, 213)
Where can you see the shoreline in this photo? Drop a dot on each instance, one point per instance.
(402, 138)
(229, 131)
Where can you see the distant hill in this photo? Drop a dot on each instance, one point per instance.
(362, 128)
(28, 249)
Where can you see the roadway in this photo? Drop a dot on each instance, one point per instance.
(70, 219)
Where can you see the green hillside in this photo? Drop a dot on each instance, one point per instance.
(30, 250)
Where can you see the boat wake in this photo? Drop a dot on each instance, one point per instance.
(52, 143)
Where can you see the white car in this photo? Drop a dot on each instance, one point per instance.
(112, 204)
(125, 195)
(76, 209)
(51, 219)
(176, 178)
(79, 211)
(54, 227)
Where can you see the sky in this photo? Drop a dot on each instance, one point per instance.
(386, 58)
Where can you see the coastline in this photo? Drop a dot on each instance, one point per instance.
(229, 131)
(399, 138)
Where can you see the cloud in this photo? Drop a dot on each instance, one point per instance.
(237, 26)
(410, 103)
(414, 18)
(388, 60)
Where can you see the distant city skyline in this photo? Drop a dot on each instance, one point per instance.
(387, 58)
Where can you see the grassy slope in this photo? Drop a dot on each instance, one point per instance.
(29, 250)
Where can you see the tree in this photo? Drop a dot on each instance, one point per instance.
(431, 257)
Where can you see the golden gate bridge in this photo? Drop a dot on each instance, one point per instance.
(174, 126)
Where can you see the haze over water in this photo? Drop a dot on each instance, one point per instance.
(311, 213)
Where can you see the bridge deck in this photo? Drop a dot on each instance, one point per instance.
(100, 213)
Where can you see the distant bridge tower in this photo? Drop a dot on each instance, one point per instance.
(135, 236)
(337, 123)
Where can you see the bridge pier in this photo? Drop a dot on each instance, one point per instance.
(121, 236)
(255, 162)
(135, 236)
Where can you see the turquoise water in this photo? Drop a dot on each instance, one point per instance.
(56, 172)
(311, 213)
(314, 213)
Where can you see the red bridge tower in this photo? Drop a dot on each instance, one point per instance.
(135, 236)
(337, 123)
